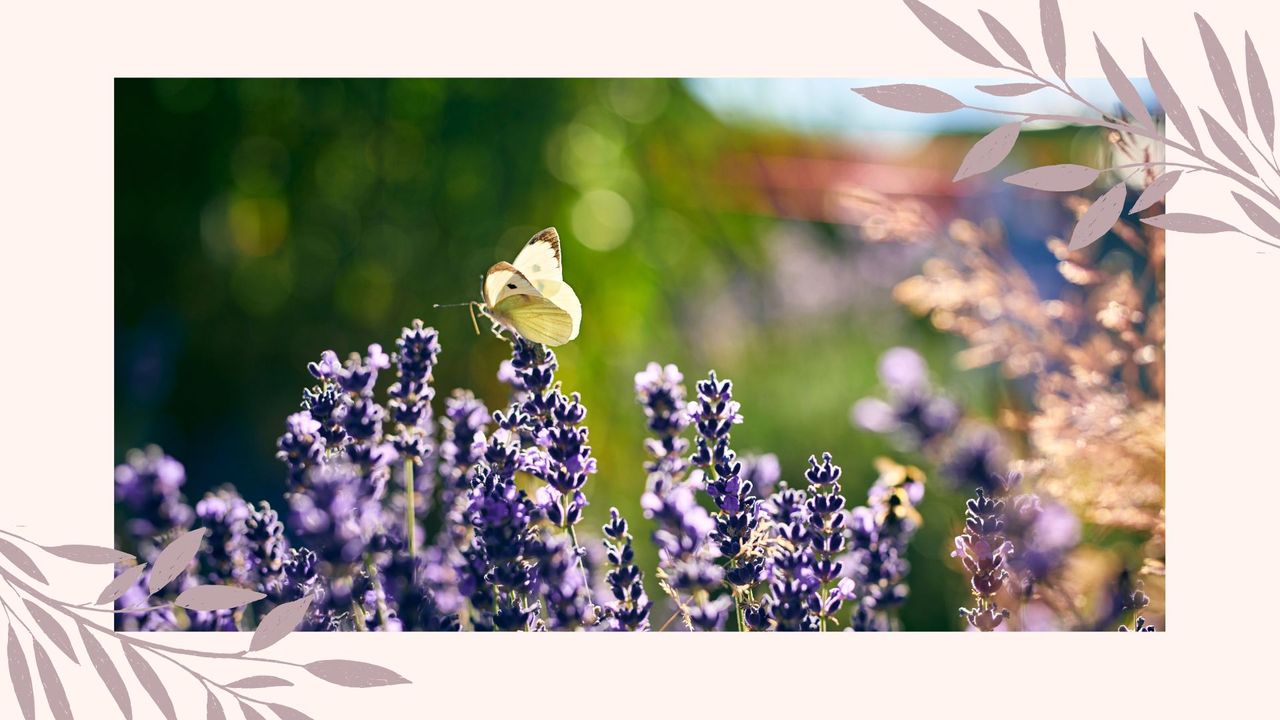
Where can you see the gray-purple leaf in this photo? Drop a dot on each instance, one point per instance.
(352, 673)
(1006, 40)
(279, 622)
(287, 713)
(54, 693)
(107, 671)
(1098, 219)
(1189, 223)
(1223, 76)
(120, 585)
(1055, 178)
(174, 559)
(1010, 89)
(909, 97)
(89, 554)
(1260, 92)
(21, 560)
(213, 708)
(1169, 100)
(52, 630)
(20, 676)
(1227, 144)
(207, 598)
(1156, 191)
(989, 151)
(1123, 87)
(150, 682)
(259, 681)
(952, 35)
(1265, 221)
(249, 712)
(1055, 39)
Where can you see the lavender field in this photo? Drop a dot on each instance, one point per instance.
(818, 385)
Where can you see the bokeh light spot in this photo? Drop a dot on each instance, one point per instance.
(602, 220)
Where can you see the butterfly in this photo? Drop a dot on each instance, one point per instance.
(530, 296)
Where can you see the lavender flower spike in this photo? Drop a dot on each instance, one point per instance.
(982, 549)
(630, 609)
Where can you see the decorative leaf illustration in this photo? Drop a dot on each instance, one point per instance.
(150, 682)
(174, 559)
(989, 151)
(20, 676)
(1155, 191)
(213, 708)
(1264, 220)
(912, 98)
(1169, 100)
(107, 671)
(207, 598)
(21, 560)
(952, 35)
(259, 681)
(1223, 77)
(352, 673)
(54, 693)
(249, 712)
(89, 554)
(1260, 92)
(1006, 40)
(1055, 39)
(1055, 178)
(279, 622)
(1189, 223)
(1098, 219)
(120, 585)
(52, 630)
(1123, 88)
(1010, 89)
(287, 713)
(1227, 144)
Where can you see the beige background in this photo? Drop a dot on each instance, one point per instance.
(56, 185)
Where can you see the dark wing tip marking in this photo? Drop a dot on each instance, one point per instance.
(550, 237)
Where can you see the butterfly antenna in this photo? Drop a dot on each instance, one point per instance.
(471, 308)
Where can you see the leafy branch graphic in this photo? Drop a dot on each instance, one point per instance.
(1233, 159)
(47, 620)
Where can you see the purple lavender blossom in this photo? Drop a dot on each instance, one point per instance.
(974, 457)
(982, 548)
(660, 391)
(149, 485)
(302, 446)
(793, 600)
(1044, 532)
(266, 549)
(630, 607)
(503, 543)
(824, 509)
(225, 559)
(880, 532)
(411, 394)
(913, 412)
(715, 412)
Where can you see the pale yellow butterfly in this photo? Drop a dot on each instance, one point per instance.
(530, 296)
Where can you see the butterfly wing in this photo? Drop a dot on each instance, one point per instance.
(567, 300)
(541, 321)
(539, 259)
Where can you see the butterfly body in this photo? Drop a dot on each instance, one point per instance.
(530, 297)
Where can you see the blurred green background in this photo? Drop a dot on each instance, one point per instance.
(259, 222)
